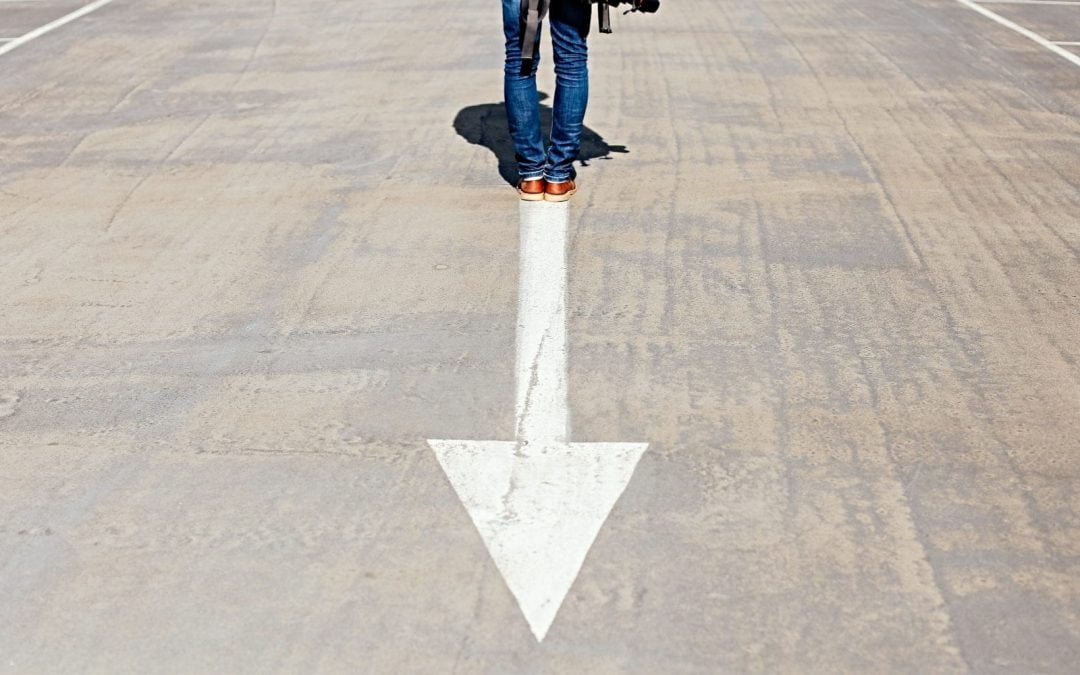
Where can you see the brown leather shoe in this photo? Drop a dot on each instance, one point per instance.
(532, 190)
(560, 192)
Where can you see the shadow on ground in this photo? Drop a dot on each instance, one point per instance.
(485, 125)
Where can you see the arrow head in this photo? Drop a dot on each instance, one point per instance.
(538, 509)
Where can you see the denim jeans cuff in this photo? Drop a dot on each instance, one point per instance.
(557, 179)
(534, 175)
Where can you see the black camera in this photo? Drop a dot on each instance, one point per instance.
(603, 7)
(638, 5)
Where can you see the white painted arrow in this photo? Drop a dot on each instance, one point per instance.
(539, 501)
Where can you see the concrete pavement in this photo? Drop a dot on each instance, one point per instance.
(248, 264)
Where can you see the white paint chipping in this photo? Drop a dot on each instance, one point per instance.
(1028, 33)
(52, 25)
(539, 501)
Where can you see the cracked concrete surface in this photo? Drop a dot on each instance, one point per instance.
(248, 266)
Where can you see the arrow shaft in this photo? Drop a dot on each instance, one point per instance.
(542, 405)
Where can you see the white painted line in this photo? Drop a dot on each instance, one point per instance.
(1029, 34)
(538, 502)
(543, 409)
(52, 25)
(1027, 2)
(1068, 44)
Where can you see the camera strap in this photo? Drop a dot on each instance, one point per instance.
(534, 11)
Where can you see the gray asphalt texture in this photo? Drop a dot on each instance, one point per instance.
(824, 259)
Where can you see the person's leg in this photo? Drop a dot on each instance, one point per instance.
(522, 100)
(570, 21)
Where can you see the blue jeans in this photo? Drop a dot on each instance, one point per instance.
(569, 20)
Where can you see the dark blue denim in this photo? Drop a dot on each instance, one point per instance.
(569, 21)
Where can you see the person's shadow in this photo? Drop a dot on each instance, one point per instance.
(486, 125)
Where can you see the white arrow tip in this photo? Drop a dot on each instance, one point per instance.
(538, 509)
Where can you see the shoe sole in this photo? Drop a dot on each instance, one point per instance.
(564, 197)
(530, 197)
